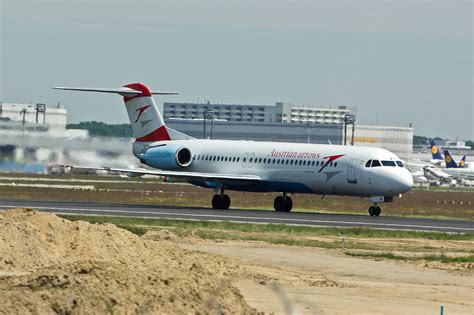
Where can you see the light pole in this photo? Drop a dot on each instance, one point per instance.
(349, 119)
(208, 115)
(308, 127)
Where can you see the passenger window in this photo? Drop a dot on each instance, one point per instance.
(335, 164)
(330, 164)
(368, 163)
(399, 163)
(388, 163)
(238, 159)
(376, 163)
(287, 161)
(251, 159)
(244, 159)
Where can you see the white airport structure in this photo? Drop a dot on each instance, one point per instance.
(398, 140)
(35, 115)
(277, 113)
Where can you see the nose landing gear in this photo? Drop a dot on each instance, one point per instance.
(283, 203)
(374, 210)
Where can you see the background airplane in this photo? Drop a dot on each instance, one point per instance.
(285, 168)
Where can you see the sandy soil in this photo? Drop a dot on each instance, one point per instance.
(51, 265)
(297, 280)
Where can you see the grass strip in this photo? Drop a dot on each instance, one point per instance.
(131, 223)
(441, 258)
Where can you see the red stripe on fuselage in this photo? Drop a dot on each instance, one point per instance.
(159, 134)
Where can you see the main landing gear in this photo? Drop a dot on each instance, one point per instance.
(374, 210)
(283, 203)
(221, 201)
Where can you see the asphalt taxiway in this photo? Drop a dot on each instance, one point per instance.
(246, 216)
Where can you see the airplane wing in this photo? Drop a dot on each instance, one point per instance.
(225, 178)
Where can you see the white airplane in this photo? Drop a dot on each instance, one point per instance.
(286, 168)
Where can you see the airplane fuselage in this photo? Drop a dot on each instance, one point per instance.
(286, 167)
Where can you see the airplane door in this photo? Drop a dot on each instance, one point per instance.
(351, 171)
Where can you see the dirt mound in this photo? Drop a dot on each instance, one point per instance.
(49, 264)
(160, 235)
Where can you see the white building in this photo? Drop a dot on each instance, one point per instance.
(399, 140)
(295, 114)
(279, 112)
(50, 117)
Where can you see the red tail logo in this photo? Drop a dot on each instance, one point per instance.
(141, 110)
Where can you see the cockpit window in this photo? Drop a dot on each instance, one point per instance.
(376, 163)
(388, 163)
(368, 163)
(399, 163)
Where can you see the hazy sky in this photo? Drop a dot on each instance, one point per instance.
(397, 61)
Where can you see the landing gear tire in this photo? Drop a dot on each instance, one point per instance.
(225, 201)
(288, 204)
(221, 202)
(279, 204)
(374, 211)
(377, 211)
(283, 204)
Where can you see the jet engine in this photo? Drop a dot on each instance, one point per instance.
(167, 157)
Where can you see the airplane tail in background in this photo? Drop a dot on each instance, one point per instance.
(434, 151)
(462, 163)
(145, 118)
(450, 163)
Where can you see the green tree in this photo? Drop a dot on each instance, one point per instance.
(419, 140)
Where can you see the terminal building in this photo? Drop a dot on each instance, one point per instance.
(277, 113)
(398, 140)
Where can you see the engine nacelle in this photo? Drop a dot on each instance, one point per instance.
(167, 157)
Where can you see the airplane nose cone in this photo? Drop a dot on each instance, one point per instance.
(405, 182)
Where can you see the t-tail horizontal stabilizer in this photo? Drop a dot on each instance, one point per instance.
(124, 91)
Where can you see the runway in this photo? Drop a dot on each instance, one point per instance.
(246, 216)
